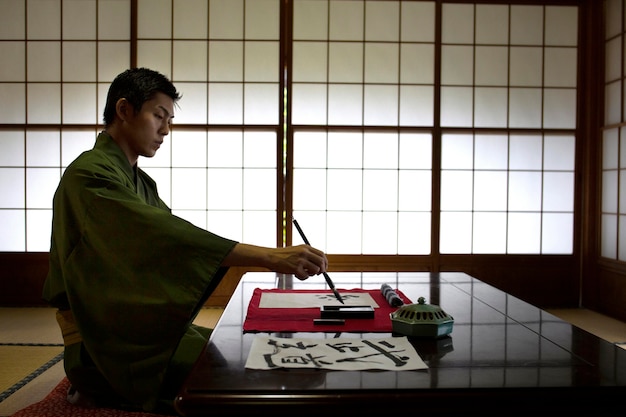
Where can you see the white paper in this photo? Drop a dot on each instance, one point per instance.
(314, 299)
(346, 354)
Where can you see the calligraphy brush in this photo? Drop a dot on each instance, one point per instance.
(326, 277)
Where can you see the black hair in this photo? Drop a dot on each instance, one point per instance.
(137, 85)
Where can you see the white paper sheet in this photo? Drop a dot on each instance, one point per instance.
(313, 299)
(347, 354)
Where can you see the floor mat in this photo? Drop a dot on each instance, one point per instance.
(21, 363)
(24, 325)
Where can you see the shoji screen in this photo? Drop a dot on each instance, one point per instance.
(508, 87)
(367, 79)
(362, 113)
(613, 224)
(58, 58)
(219, 168)
(395, 127)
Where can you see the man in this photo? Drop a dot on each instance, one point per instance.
(127, 276)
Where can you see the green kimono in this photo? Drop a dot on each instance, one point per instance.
(132, 276)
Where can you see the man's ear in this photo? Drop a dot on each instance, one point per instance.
(123, 109)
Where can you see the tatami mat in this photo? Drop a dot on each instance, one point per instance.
(36, 390)
(31, 359)
(18, 362)
(605, 327)
(29, 325)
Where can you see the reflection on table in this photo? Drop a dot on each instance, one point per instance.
(502, 351)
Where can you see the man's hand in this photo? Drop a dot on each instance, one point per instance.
(302, 261)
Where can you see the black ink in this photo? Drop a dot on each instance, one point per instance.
(396, 359)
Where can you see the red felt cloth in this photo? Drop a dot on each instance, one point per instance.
(301, 319)
(55, 404)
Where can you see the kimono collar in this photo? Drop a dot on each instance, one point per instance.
(106, 144)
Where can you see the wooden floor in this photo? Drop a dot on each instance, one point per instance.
(30, 327)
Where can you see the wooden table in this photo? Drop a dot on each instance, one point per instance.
(504, 357)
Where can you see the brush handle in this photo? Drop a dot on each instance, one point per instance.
(326, 276)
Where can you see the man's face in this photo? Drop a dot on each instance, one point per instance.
(146, 129)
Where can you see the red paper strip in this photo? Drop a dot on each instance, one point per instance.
(301, 319)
